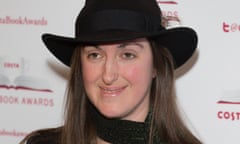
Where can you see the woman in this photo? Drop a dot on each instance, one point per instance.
(121, 86)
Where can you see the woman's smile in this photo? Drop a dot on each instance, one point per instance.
(112, 91)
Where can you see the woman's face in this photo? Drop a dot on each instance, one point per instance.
(117, 78)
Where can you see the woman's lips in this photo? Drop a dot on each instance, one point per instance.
(111, 91)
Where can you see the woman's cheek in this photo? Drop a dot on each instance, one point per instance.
(90, 73)
(133, 74)
(139, 73)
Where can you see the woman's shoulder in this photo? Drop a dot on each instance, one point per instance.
(44, 136)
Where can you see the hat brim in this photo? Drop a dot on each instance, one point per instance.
(181, 42)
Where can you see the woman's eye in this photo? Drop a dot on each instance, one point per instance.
(128, 55)
(94, 55)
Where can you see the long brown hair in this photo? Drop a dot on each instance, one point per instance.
(78, 127)
(166, 119)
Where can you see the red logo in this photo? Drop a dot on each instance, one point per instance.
(23, 21)
(228, 115)
(170, 17)
(13, 76)
(230, 97)
(166, 2)
(14, 133)
(230, 27)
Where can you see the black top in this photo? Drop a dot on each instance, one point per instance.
(50, 136)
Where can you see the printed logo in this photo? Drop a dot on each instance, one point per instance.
(170, 17)
(23, 21)
(13, 133)
(230, 27)
(12, 76)
(230, 97)
(26, 100)
(15, 81)
(228, 115)
(166, 2)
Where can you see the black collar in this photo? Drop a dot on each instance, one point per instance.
(117, 131)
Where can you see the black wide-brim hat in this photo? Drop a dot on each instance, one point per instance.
(109, 21)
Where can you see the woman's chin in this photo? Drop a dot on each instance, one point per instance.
(110, 113)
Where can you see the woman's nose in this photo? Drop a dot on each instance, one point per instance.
(110, 72)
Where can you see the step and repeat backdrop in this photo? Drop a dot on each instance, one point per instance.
(32, 81)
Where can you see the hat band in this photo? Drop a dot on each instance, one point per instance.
(124, 20)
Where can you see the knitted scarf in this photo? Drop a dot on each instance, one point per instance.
(118, 131)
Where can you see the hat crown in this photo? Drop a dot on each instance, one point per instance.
(128, 15)
(146, 6)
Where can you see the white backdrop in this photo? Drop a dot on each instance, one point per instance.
(32, 81)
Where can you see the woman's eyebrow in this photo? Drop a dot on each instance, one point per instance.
(93, 46)
(122, 45)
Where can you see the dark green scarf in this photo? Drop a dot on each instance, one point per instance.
(117, 131)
